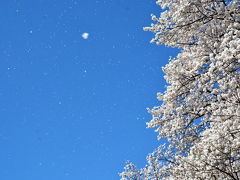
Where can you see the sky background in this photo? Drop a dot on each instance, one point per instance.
(74, 108)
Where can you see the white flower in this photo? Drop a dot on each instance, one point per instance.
(85, 35)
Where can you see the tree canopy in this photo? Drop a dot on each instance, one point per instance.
(199, 115)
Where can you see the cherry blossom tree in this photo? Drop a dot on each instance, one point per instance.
(199, 115)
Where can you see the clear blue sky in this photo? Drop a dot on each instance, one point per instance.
(74, 108)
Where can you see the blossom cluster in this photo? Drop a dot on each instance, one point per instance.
(200, 111)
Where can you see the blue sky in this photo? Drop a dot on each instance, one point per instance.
(74, 108)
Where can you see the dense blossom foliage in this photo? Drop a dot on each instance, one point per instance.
(200, 111)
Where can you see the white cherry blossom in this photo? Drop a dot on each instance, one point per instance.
(200, 111)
